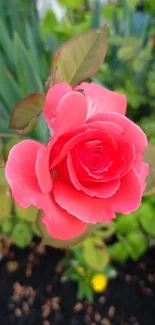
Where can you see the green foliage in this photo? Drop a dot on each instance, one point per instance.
(24, 61)
(72, 3)
(126, 224)
(22, 234)
(95, 254)
(147, 219)
(118, 253)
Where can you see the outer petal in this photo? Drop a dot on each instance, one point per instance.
(53, 97)
(20, 173)
(100, 190)
(42, 170)
(132, 133)
(62, 225)
(71, 112)
(82, 206)
(102, 100)
(128, 197)
(142, 170)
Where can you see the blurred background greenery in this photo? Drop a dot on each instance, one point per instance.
(27, 44)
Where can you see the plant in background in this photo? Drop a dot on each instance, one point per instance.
(130, 58)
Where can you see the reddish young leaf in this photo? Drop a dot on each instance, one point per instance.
(80, 57)
(27, 109)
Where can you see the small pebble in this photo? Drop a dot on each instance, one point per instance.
(49, 288)
(31, 258)
(18, 312)
(87, 319)
(11, 254)
(18, 289)
(102, 300)
(132, 318)
(89, 310)
(46, 311)
(111, 312)
(46, 322)
(142, 266)
(58, 268)
(97, 317)
(105, 321)
(151, 278)
(31, 300)
(78, 307)
(128, 278)
(11, 307)
(26, 308)
(12, 266)
(56, 300)
(55, 306)
(141, 283)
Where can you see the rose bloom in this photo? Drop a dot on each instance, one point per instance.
(91, 168)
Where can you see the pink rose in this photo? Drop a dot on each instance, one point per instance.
(91, 168)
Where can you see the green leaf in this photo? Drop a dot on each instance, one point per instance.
(28, 78)
(88, 293)
(126, 224)
(147, 220)
(5, 202)
(96, 14)
(132, 3)
(149, 157)
(22, 235)
(6, 43)
(48, 24)
(118, 252)
(27, 109)
(80, 291)
(75, 4)
(138, 243)
(108, 11)
(95, 254)
(6, 226)
(62, 244)
(8, 86)
(32, 45)
(29, 214)
(80, 57)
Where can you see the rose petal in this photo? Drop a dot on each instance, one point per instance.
(67, 141)
(128, 198)
(132, 133)
(71, 112)
(62, 225)
(53, 97)
(142, 170)
(42, 170)
(20, 173)
(102, 100)
(100, 190)
(82, 206)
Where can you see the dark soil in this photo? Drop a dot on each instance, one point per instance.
(34, 295)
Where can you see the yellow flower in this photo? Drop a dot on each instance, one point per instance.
(99, 282)
(80, 270)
